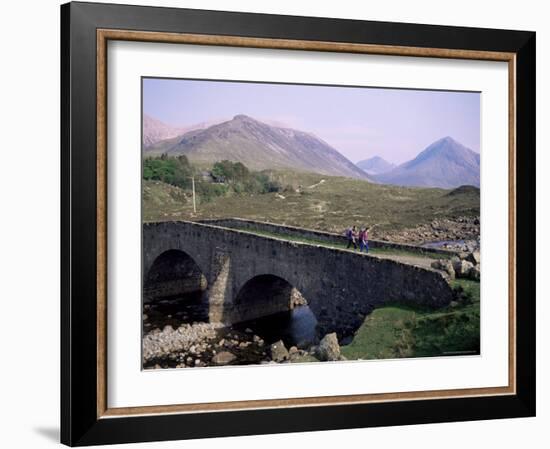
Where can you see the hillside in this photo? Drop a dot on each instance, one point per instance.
(321, 202)
(375, 165)
(259, 146)
(445, 163)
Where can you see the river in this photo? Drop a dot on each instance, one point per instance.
(248, 340)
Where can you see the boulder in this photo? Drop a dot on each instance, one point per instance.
(474, 257)
(223, 358)
(328, 348)
(448, 267)
(279, 352)
(461, 268)
(296, 299)
(444, 265)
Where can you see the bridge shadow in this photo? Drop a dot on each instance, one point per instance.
(174, 292)
(274, 309)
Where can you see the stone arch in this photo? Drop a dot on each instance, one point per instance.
(173, 273)
(265, 294)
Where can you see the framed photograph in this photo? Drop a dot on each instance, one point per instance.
(277, 224)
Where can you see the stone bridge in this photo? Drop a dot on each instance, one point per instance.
(244, 276)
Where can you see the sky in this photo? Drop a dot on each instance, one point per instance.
(359, 122)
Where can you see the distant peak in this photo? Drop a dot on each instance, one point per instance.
(447, 139)
(242, 117)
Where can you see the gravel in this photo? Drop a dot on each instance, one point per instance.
(161, 343)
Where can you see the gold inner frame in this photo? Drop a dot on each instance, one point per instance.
(104, 35)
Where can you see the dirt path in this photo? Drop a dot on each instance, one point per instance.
(419, 261)
(322, 181)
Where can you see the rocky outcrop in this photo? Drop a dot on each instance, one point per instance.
(474, 257)
(461, 267)
(446, 266)
(328, 349)
(464, 229)
(465, 266)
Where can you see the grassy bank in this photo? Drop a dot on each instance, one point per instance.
(396, 331)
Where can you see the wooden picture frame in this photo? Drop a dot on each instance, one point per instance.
(86, 29)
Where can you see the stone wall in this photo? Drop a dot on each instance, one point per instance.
(311, 234)
(340, 287)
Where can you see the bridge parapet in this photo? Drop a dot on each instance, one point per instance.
(313, 234)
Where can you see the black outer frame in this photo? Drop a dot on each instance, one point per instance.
(79, 422)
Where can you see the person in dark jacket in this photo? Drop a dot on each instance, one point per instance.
(351, 235)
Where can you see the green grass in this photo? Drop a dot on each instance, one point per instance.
(396, 331)
(331, 206)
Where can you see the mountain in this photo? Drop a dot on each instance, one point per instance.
(375, 165)
(260, 146)
(445, 163)
(155, 131)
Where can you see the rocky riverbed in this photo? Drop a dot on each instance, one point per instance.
(207, 344)
(199, 344)
(177, 334)
(171, 341)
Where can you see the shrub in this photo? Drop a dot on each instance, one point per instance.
(171, 170)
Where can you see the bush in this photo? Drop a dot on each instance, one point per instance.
(242, 180)
(171, 170)
(229, 176)
(206, 191)
(230, 172)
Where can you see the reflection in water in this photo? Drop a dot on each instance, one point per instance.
(175, 311)
(296, 327)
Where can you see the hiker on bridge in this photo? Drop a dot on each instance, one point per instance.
(351, 235)
(364, 240)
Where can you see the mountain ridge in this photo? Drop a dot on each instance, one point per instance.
(156, 131)
(259, 146)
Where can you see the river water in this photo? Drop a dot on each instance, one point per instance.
(296, 327)
(444, 243)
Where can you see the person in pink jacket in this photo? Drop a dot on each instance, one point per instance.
(364, 240)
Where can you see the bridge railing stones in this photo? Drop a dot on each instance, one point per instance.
(321, 236)
(340, 287)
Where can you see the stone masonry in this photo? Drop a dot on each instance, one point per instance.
(247, 276)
